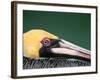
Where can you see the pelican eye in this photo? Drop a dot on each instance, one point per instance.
(46, 42)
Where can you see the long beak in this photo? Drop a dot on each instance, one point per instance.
(71, 49)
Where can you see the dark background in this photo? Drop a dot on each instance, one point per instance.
(73, 27)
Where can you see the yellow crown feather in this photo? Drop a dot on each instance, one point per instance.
(32, 42)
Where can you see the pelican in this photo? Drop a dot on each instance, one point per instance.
(39, 43)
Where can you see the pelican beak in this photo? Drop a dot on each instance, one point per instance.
(71, 49)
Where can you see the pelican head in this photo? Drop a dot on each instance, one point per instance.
(40, 43)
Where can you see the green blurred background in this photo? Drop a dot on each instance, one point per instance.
(73, 27)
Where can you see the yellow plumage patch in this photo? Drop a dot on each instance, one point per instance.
(32, 42)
